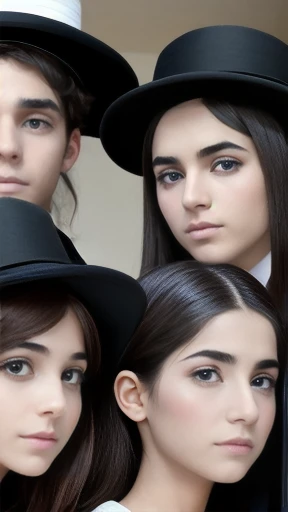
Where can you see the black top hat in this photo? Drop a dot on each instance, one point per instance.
(31, 250)
(103, 72)
(226, 62)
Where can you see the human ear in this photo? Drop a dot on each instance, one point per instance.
(72, 150)
(130, 395)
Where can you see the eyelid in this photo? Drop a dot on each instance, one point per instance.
(272, 379)
(81, 375)
(214, 369)
(11, 360)
(45, 123)
(226, 159)
(15, 359)
(38, 117)
(163, 174)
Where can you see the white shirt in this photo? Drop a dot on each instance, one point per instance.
(262, 270)
(111, 506)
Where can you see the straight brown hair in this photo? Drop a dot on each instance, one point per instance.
(26, 311)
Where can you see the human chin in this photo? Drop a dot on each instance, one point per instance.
(32, 465)
(232, 472)
(211, 253)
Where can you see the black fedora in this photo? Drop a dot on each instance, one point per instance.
(31, 250)
(226, 62)
(103, 72)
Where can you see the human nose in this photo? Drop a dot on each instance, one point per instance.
(243, 406)
(10, 146)
(196, 194)
(51, 398)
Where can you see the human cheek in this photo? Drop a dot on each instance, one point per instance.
(181, 402)
(267, 411)
(170, 204)
(74, 408)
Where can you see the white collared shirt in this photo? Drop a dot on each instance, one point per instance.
(262, 270)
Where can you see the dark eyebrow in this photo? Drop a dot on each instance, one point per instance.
(35, 347)
(223, 357)
(267, 363)
(210, 150)
(79, 356)
(165, 160)
(39, 103)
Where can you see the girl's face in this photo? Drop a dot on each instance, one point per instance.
(210, 187)
(213, 406)
(40, 397)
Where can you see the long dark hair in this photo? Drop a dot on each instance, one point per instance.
(270, 140)
(28, 311)
(182, 298)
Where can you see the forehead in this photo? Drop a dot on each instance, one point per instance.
(19, 80)
(192, 124)
(65, 337)
(244, 333)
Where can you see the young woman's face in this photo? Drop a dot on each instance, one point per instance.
(206, 172)
(213, 407)
(40, 397)
(33, 142)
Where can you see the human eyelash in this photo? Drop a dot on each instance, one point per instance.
(161, 177)
(79, 372)
(236, 163)
(206, 369)
(271, 380)
(4, 365)
(38, 120)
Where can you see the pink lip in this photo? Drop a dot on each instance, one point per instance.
(41, 440)
(12, 179)
(201, 225)
(237, 447)
(42, 435)
(238, 441)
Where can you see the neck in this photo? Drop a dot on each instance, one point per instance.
(253, 256)
(3, 472)
(160, 485)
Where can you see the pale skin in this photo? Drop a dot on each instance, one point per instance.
(33, 141)
(40, 391)
(207, 172)
(231, 367)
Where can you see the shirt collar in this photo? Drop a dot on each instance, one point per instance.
(262, 270)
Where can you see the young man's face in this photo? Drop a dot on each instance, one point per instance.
(33, 141)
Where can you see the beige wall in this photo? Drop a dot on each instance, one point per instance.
(108, 227)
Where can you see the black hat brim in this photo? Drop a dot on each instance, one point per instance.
(115, 301)
(126, 121)
(104, 73)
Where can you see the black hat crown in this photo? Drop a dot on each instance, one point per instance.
(28, 235)
(224, 48)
